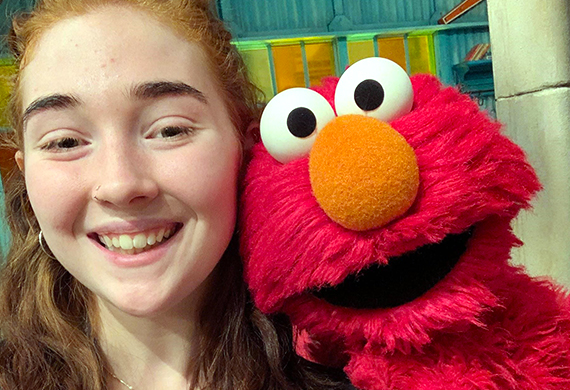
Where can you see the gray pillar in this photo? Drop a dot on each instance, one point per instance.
(531, 63)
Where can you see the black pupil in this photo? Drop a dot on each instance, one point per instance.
(170, 131)
(301, 122)
(68, 143)
(369, 95)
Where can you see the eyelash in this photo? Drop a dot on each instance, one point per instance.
(182, 130)
(59, 144)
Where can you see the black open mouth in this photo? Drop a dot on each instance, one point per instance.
(402, 280)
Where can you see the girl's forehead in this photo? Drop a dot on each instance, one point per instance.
(107, 48)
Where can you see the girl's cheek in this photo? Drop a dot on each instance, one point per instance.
(55, 195)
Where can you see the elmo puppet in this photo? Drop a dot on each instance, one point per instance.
(376, 214)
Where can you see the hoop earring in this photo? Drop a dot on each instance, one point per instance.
(46, 251)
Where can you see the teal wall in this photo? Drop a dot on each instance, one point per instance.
(276, 18)
(4, 231)
(7, 9)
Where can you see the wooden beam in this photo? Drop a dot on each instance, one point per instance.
(456, 12)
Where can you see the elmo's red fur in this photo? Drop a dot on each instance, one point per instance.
(485, 325)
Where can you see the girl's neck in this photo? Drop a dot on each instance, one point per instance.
(149, 352)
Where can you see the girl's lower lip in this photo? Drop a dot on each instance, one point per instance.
(142, 259)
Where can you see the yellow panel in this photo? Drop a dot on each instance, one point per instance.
(6, 73)
(320, 58)
(257, 62)
(393, 49)
(360, 50)
(288, 66)
(422, 58)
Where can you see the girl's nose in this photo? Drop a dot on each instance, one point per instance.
(363, 172)
(125, 180)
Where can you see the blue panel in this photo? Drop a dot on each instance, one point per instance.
(451, 47)
(278, 17)
(373, 13)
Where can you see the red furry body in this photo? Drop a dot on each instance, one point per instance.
(484, 325)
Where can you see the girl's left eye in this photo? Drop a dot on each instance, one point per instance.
(62, 144)
(174, 131)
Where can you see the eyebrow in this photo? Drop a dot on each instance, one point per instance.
(55, 101)
(142, 91)
(164, 88)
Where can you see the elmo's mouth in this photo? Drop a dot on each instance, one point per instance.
(402, 280)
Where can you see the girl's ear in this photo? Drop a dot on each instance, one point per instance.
(251, 136)
(19, 157)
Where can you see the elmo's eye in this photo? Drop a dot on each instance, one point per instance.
(291, 121)
(375, 87)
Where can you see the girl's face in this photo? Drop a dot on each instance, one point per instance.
(127, 143)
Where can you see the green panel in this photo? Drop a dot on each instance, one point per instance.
(358, 50)
(421, 53)
(258, 65)
(320, 61)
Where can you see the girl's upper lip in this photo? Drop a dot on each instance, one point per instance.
(134, 226)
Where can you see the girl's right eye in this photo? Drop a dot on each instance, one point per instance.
(62, 144)
(174, 131)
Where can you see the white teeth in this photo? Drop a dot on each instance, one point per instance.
(108, 241)
(139, 243)
(126, 242)
(160, 235)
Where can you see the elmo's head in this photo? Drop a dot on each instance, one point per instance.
(376, 210)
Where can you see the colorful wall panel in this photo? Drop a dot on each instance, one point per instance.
(276, 65)
(6, 74)
(258, 63)
(360, 49)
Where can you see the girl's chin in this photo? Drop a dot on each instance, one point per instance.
(147, 300)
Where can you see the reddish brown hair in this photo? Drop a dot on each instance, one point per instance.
(48, 320)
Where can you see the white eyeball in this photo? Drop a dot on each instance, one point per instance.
(291, 121)
(375, 87)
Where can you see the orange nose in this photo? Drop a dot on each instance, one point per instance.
(363, 172)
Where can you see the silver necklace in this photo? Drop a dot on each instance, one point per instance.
(122, 382)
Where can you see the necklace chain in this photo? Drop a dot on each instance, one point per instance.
(122, 382)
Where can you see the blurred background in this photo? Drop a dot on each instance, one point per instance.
(512, 58)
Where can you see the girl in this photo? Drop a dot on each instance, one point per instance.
(129, 120)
